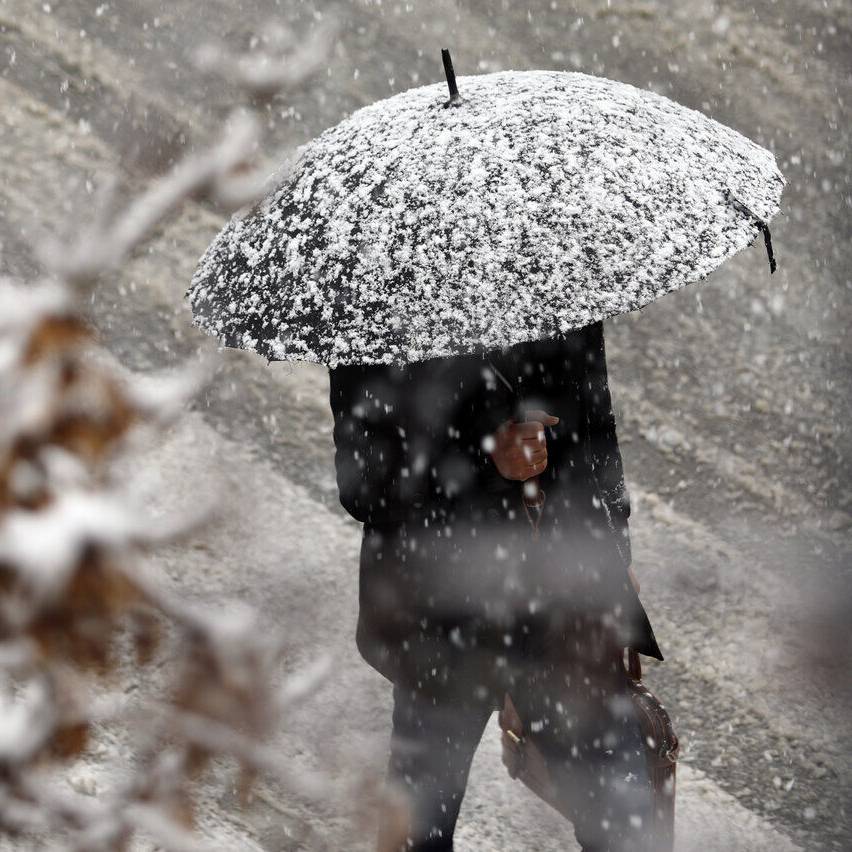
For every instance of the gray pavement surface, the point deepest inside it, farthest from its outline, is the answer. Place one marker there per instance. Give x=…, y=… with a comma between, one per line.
x=733, y=396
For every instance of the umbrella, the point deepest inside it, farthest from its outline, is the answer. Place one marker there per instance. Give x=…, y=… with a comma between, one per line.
x=528, y=204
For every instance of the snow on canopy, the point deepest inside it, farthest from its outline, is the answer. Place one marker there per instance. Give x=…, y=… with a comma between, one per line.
x=544, y=202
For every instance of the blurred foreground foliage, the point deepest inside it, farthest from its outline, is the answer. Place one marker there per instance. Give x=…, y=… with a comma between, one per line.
x=74, y=584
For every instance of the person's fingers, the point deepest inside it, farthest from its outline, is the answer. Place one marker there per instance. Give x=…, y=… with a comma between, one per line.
x=533, y=452
x=541, y=416
x=529, y=430
x=533, y=470
x=529, y=448
x=537, y=461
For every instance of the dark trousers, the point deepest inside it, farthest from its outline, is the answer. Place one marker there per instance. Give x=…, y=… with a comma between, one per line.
x=580, y=715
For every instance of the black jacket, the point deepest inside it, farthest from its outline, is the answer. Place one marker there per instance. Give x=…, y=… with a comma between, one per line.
x=448, y=561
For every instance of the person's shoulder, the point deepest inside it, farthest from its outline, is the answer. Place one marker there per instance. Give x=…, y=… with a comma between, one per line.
x=594, y=330
x=576, y=340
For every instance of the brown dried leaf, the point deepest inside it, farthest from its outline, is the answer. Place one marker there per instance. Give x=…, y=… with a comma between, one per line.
x=197, y=759
x=93, y=432
x=55, y=334
x=70, y=740
x=82, y=624
x=146, y=634
x=181, y=808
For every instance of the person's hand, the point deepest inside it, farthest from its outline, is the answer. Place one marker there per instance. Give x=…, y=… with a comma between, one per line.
x=520, y=449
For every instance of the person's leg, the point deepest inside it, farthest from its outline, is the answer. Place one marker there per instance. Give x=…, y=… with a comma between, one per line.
x=432, y=747
x=606, y=768
x=582, y=717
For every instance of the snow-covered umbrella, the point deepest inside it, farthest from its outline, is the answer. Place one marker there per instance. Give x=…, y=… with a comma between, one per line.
x=528, y=204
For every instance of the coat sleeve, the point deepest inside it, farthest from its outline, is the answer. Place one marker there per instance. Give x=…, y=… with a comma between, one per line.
x=603, y=442
x=493, y=409
x=378, y=477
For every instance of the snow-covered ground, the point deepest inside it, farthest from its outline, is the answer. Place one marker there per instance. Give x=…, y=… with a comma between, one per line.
x=733, y=397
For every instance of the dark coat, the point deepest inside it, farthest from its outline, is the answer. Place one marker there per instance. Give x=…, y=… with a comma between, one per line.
x=451, y=578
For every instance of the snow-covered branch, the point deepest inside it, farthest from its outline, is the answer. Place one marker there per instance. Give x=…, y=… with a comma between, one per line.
x=73, y=582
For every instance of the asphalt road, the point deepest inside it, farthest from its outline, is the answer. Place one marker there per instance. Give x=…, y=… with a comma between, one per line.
x=733, y=396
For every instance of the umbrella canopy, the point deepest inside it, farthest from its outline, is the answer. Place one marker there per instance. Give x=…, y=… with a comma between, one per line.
x=540, y=202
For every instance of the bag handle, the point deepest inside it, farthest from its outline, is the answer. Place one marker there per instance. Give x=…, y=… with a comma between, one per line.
x=634, y=667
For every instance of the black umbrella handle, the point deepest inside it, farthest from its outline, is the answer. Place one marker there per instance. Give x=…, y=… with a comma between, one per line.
x=455, y=98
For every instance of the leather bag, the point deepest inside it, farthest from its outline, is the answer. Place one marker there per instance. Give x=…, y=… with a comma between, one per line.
x=525, y=761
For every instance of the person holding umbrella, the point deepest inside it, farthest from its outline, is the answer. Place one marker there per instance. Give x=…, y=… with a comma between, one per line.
x=459, y=604
x=451, y=261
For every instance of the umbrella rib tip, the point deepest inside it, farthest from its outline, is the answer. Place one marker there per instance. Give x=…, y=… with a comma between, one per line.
x=762, y=225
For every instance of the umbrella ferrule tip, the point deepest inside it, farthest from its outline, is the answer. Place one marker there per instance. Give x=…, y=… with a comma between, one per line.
x=455, y=98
